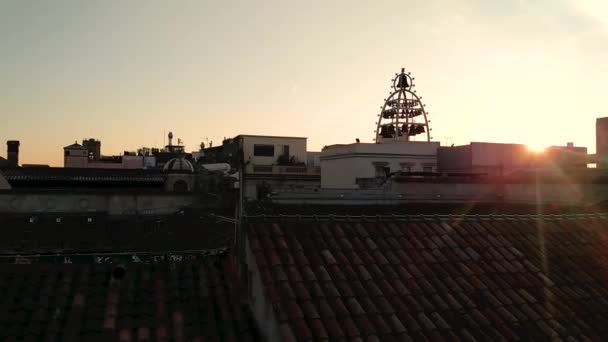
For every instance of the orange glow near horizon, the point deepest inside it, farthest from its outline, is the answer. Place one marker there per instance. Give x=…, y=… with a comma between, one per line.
x=128, y=74
x=536, y=148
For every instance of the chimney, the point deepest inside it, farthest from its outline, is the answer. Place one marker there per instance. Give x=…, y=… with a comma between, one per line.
x=12, y=153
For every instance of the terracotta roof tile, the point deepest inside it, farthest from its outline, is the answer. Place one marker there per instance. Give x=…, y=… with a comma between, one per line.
x=350, y=327
x=308, y=274
x=366, y=328
x=339, y=307
x=278, y=274
x=292, y=309
x=368, y=305
x=318, y=330
x=425, y=321
x=325, y=309
x=354, y=307
x=334, y=330
x=98, y=300
x=344, y=288
x=412, y=304
x=301, y=329
x=315, y=289
x=476, y=279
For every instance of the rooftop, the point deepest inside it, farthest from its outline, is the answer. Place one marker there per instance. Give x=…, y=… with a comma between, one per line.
x=267, y=136
x=40, y=233
x=182, y=299
x=75, y=146
x=399, y=278
x=81, y=176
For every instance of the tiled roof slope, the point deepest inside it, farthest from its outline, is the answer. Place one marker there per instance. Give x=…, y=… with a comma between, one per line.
x=465, y=207
x=194, y=300
x=86, y=233
x=466, y=279
x=75, y=176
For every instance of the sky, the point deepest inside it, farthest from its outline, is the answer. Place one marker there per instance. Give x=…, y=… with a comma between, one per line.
x=128, y=72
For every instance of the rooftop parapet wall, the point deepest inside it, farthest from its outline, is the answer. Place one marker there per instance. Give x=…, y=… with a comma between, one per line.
x=429, y=192
x=112, y=203
x=422, y=148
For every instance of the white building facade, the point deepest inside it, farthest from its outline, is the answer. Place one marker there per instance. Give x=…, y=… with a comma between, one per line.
x=342, y=165
x=260, y=152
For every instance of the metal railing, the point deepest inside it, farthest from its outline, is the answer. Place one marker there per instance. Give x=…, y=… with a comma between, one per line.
x=283, y=169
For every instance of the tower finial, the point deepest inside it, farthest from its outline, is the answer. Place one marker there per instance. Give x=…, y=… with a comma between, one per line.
x=403, y=115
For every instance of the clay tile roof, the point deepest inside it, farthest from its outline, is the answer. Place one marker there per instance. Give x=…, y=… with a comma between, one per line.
x=430, y=278
x=190, y=300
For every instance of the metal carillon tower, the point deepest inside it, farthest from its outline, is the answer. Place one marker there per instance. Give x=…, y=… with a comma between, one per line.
x=403, y=116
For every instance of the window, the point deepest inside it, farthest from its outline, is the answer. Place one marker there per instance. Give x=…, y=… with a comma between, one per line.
x=67, y=153
x=427, y=169
x=263, y=150
x=286, y=150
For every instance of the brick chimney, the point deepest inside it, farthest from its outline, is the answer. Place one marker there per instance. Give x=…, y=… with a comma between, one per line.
x=12, y=153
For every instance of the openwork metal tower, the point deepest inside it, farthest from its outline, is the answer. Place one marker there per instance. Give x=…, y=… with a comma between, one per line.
x=403, y=116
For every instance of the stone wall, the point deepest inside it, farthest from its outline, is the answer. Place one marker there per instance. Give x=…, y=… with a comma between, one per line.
x=111, y=203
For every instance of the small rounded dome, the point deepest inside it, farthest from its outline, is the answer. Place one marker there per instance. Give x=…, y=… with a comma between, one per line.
x=180, y=165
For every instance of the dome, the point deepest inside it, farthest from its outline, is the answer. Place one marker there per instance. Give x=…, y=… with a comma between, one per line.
x=179, y=165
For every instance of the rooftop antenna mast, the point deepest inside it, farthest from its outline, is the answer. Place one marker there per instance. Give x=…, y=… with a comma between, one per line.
x=403, y=115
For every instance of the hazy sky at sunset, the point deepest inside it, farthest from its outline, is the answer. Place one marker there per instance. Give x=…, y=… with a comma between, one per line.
x=127, y=72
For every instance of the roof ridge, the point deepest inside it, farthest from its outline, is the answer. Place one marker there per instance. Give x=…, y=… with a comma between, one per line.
x=113, y=257
x=424, y=217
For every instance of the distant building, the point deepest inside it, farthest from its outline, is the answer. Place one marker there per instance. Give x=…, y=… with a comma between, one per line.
x=275, y=163
x=268, y=163
x=178, y=173
x=601, y=142
x=228, y=152
x=485, y=158
x=345, y=166
x=495, y=159
x=3, y=163
x=402, y=119
x=93, y=147
x=261, y=152
x=35, y=165
x=144, y=158
x=566, y=157
x=170, y=152
x=12, y=155
x=75, y=156
x=313, y=159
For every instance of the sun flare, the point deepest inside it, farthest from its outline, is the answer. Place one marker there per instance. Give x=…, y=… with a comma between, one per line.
x=536, y=148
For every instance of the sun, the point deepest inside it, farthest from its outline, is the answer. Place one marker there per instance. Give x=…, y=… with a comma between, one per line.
x=536, y=148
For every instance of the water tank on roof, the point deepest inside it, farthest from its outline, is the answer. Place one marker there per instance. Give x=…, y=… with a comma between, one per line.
x=222, y=167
